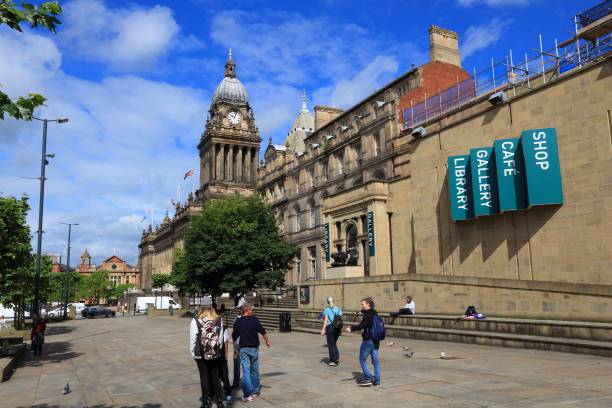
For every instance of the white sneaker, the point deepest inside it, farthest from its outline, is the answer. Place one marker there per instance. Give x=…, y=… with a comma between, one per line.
x=247, y=399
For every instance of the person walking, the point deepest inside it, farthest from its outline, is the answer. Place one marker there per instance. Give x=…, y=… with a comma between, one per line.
x=369, y=346
x=332, y=328
x=205, y=345
x=247, y=329
x=38, y=335
x=236, y=348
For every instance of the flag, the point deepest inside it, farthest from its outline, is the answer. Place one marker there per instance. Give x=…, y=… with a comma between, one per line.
x=173, y=202
x=143, y=219
x=188, y=174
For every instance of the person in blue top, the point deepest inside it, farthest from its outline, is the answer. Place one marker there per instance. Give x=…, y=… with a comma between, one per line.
x=330, y=332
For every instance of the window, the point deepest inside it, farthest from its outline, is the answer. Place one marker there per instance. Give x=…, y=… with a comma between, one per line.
x=297, y=183
x=313, y=216
x=377, y=143
x=127, y=279
x=312, y=260
x=325, y=170
x=113, y=279
x=310, y=178
x=340, y=160
x=298, y=223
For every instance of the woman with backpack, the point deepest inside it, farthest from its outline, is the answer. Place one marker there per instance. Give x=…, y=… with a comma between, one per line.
x=373, y=332
x=332, y=328
x=206, y=346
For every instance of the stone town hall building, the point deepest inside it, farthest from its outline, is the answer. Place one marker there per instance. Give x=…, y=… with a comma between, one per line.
x=366, y=193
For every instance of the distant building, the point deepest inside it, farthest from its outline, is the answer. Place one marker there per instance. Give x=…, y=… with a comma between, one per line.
x=119, y=271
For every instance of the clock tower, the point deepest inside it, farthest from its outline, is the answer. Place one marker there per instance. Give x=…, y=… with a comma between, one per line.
x=229, y=146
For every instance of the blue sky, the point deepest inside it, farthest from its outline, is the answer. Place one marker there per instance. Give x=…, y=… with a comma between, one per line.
x=135, y=79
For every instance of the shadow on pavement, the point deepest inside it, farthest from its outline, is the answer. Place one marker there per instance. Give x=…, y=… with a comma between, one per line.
x=52, y=330
x=55, y=352
x=147, y=405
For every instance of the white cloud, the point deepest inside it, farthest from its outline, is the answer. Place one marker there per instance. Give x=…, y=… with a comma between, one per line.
x=477, y=38
x=278, y=54
x=115, y=158
x=123, y=38
x=494, y=3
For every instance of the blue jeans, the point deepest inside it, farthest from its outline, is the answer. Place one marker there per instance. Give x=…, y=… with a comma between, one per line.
x=249, y=356
x=368, y=348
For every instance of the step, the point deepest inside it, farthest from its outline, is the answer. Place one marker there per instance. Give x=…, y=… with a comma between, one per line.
x=595, y=331
x=600, y=348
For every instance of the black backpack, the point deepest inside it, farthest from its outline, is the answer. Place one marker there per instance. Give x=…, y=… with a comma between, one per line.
x=337, y=323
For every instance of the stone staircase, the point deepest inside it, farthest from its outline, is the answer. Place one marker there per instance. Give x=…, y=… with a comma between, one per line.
x=556, y=335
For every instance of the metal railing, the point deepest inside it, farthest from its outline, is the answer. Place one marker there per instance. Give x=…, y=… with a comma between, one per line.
x=594, y=13
x=507, y=74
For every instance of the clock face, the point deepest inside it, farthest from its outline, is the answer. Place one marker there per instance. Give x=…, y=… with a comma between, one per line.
x=234, y=117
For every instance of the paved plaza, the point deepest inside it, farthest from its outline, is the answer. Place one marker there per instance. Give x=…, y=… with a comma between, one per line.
x=142, y=362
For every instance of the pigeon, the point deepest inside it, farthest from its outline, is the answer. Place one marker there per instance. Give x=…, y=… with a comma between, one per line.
x=66, y=389
x=391, y=343
x=409, y=355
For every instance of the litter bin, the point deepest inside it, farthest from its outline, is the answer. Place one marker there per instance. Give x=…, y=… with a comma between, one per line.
x=284, y=320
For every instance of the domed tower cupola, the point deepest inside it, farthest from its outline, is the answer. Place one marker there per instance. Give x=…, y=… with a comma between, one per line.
x=230, y=67
x=229, y=147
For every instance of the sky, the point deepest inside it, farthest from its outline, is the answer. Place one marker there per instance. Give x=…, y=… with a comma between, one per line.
x=135, y=79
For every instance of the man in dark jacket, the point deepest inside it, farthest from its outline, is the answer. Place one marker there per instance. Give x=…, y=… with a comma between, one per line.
x=369, y=347
x=247, y=329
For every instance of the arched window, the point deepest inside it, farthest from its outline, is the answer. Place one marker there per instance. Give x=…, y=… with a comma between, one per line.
x=378, y=174
x=313, y=215
x=298, y=222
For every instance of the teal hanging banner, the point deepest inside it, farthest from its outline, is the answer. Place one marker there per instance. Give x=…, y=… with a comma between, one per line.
x=327, y=254
x=484, y=181
x=460, y=188
x=510, y=174
x=542, y=166
x=371, y=233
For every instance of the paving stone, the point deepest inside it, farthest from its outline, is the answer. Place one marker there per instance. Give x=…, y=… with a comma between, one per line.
x=144, y=363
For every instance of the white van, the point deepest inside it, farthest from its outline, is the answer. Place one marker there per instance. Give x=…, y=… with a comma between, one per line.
x=159, y=302
x=9, y=313
x=78, y=306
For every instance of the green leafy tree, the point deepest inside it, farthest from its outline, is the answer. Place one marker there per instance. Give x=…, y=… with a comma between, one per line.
x=44, y=16
x=233, y=245
x=57, y=284
x=96, y=286
x=15, y=253
x=159, y=280
x=116, y=292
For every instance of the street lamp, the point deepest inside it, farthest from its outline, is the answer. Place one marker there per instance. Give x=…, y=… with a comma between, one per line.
x=69, y=224
x=43, y=163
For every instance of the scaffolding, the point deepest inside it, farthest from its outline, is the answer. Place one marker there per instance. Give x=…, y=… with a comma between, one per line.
x=538, y=65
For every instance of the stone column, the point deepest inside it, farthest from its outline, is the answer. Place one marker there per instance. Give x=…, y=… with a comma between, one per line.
x=239, y=164
x=255, y=159
x=248, y=165
x=213, y=161
x=230, y=163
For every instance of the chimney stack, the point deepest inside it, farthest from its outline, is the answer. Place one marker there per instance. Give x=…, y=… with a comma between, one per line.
x=444, y=46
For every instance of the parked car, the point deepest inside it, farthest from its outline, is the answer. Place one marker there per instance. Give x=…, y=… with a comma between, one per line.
x=97, y=311
x=59, y=311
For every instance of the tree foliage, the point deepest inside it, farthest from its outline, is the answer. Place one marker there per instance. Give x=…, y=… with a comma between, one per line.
x=46, y=16
x=96, y=286
x=159, y=280
x=233, y=246
x=57, y=284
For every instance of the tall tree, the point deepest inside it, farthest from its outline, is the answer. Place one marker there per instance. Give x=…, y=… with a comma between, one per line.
x=96, y=286
x=159, y=280
x=15, y=252
x=233, y=245
x=34, y=16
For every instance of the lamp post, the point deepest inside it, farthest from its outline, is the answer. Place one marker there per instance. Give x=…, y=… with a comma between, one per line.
x=43, y=164
x=69, y=224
